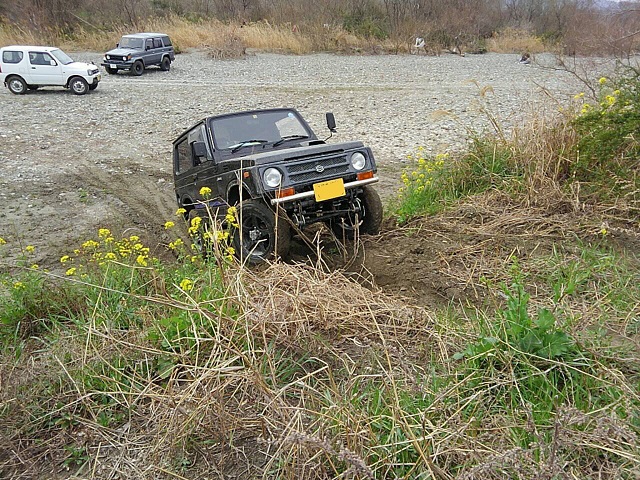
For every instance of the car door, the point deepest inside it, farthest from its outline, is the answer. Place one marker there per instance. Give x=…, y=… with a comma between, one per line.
x=195, y=168
x=152, y=54
x=43, y=69
x=207, y=167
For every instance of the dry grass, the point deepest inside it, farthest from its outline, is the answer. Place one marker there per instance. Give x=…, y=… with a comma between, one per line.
x=515, y=41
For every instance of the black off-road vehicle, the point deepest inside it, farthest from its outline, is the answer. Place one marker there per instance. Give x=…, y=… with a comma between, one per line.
x=268, y=161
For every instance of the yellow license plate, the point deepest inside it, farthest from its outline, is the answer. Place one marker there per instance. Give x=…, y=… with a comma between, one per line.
x=329, y=189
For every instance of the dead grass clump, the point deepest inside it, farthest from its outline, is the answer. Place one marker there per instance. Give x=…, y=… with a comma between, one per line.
x=264, y=36
x=513, y=40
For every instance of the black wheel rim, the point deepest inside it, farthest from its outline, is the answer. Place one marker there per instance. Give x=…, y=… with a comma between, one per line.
x=256, y=236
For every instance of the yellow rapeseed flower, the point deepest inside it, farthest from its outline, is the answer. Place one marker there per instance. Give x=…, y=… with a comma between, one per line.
x=110, y=256
x=71, y=271
x=89, y=244
x=2, y=241
x=35, y=266
x=134, y=238
x=205, y=191
x=176, y=243
x=168, y=225
x=141, y=260
x=602, y=80
x=180, y=211
x=19, y=285
x=30, y=248
x=186, y=285
x=104, y=233
x=65, y=259
x=579, y=95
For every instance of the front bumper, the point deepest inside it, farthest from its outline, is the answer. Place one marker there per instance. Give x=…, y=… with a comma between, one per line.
x=309, y=194
x=117, y=66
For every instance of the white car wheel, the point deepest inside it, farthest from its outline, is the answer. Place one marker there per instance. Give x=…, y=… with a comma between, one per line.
x=79, y=86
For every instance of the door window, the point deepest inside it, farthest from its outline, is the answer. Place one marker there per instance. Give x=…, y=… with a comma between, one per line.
x=10, y=56
x=183, y=156
x=39, y=58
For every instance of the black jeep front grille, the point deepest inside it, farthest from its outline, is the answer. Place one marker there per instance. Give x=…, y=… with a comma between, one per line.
x=317, y=169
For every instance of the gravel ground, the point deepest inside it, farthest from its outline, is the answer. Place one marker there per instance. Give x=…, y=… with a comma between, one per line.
x=72, y=164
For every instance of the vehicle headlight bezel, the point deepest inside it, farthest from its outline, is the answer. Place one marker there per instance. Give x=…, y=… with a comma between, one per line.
x=358, y=161
x=272, y=177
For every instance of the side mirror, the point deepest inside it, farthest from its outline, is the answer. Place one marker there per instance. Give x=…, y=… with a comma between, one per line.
x=331, y=122
x=52, y=63
x=117, y=45
x=199, y=149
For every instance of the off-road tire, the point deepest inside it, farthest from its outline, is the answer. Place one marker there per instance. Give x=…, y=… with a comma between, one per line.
x=78, y=86
x=369, y=220
x=16, y=85
x=165, y=65
x=138, y=68
x=260, y=237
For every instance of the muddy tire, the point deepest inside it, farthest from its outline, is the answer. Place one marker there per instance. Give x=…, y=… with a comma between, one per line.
x=138, y=68
x=166, y=64
x=17, y=85
x=368, y=221
x=259, y=237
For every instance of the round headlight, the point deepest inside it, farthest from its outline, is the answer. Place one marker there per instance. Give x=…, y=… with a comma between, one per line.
x=358, y=161
x=272, y=177
x=108, y=57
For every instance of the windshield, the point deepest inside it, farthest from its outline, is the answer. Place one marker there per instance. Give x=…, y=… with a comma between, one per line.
x=131, y=42
x=253, y=128
x=62, y=57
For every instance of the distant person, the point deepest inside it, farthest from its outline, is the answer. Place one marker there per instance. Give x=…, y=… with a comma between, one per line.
x=525, y=59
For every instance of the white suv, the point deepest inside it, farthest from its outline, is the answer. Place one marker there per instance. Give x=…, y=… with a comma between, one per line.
x=25, y=68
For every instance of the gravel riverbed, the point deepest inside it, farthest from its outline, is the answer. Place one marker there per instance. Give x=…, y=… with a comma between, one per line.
x=72, y=164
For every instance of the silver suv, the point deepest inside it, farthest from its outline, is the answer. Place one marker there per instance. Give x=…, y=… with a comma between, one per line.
x=138, y=51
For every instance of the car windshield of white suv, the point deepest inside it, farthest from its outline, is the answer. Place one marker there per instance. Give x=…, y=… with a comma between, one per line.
x=62, y=57
x=130, y=42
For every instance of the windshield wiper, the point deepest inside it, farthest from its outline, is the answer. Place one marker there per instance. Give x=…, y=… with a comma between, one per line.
x=245, y=143
x=289, y=137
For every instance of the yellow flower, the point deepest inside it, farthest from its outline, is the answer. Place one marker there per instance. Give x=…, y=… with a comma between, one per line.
x=110, y=256
x=579, y=95
x=205, y=192
x=18, y=285
x=176, y=243
x=89, y=244
x=65, y=259
x=134, y=238
x=616, y=92
x=104, y=233
x=585, y=108
x=71, y=271
x=610, y=100
x=168, y=225
x=2, y=241
x=603, y=231
x=141, y=260
x=180, y=211
x=186, y=285
x=35, y=266
x=30, y=248
x=602, y=80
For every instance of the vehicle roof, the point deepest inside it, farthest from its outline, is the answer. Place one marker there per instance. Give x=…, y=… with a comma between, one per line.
x=245, y=112
x=146, y=35
x=30, y=47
